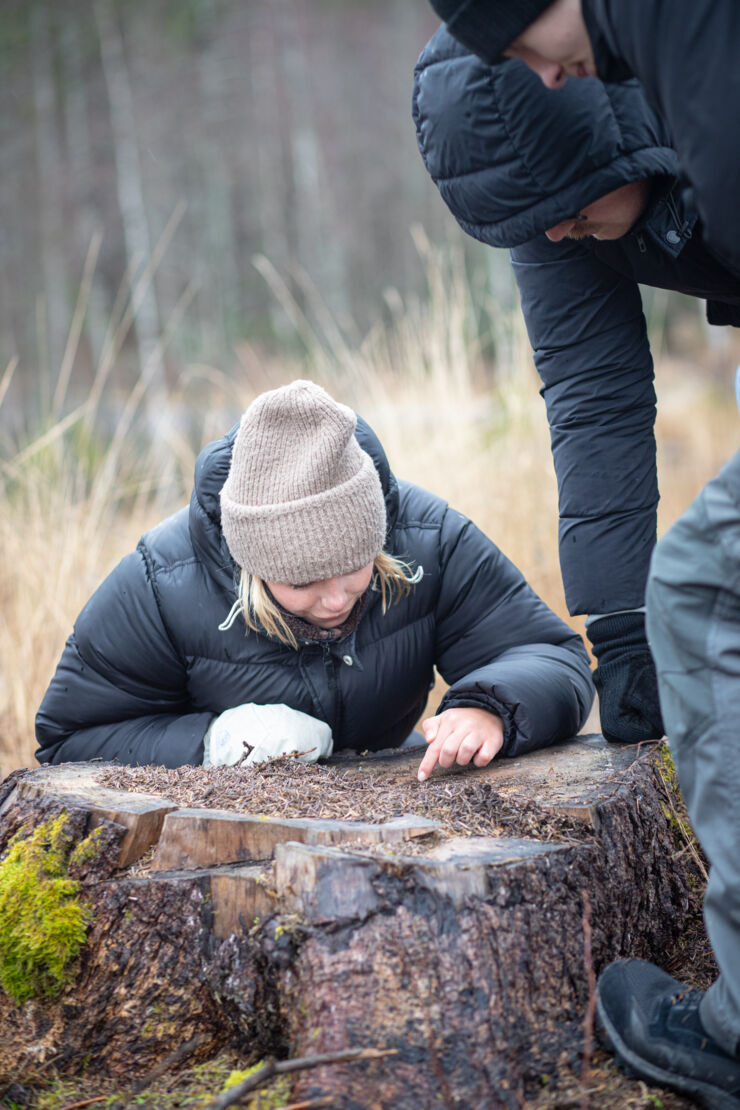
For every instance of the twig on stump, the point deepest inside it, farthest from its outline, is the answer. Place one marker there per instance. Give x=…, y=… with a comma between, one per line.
x=301, y=1063
x=310, y=1104
x=588, y=1020
x=85, y=1102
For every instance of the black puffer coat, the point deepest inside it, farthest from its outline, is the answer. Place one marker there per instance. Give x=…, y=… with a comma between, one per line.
x=512, y=158
x=685, y=54
x=146, y=667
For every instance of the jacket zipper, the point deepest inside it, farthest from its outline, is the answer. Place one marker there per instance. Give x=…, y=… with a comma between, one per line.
x=682, y=226
x=329, y=667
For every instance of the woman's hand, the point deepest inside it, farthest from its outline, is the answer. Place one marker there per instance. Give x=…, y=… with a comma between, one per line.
x=461, y=735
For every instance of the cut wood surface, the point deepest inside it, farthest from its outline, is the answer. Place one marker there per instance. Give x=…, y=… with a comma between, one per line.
x=301, y=935
x=141, y=815
x=203, y=837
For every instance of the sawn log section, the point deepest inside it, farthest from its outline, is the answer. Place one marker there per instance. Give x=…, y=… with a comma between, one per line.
x=300, y=936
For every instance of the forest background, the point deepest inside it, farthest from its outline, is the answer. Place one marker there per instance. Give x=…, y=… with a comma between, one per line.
x=202, y=199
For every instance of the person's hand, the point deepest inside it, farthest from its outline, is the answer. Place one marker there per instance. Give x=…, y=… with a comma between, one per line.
x=249, y=734
x=625, y=679
x=459, y=735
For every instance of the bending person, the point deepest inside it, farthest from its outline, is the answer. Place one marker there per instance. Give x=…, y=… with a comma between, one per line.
x=304, y=576
x=582, y=185
x=683, y=53
x=685, y=57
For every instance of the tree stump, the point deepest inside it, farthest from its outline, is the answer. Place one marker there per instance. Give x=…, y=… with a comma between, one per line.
x=451, y=932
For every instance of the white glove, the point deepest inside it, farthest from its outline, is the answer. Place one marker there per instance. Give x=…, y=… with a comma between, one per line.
x=249, y=734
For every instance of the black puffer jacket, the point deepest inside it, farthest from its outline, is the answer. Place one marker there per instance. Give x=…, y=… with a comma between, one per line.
x=146, y=667
x=512, y=158
x=685, y=54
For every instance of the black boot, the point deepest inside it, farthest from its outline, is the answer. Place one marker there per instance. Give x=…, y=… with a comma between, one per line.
x=651, y=1022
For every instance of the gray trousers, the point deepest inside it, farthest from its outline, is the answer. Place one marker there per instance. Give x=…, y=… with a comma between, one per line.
x=693, y=625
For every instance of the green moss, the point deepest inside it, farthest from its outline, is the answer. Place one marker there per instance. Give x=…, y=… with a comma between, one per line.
x=676, y=815
x=87, y=849
x=288, y=927
x=668, y=767
x=193, y=1089
x=237, y=1077
x=269, y=1097
x=44, y=922
x=673, y=807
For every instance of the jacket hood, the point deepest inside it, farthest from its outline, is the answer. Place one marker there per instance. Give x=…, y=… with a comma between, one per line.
x=512, y=158
x=211, y=471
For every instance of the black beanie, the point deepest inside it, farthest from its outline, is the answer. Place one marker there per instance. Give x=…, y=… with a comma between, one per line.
x=487, y=27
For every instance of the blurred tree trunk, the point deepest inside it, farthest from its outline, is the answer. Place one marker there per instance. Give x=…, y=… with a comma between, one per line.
x=11, y=230
x=146, y=323
x=53, y=315
x=86, y=220
x=405, y=42
x=215, y=263
x=269, y=153
x=129, y=184
x=317, y=247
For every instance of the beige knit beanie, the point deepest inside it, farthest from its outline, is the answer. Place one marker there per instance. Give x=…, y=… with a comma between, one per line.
x=302, y=501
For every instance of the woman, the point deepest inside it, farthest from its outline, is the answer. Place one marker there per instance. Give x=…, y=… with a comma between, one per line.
x=304, y=575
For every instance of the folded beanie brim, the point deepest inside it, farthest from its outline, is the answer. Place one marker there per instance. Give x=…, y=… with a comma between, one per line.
x=334, y=532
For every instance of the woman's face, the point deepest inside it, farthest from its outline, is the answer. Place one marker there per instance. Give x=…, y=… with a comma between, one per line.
x=327, y=603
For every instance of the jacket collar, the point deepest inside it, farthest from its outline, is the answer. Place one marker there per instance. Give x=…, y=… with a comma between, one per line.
x=305, y=632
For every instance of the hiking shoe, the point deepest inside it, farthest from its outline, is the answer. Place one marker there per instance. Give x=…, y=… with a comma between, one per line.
x=651, y=1023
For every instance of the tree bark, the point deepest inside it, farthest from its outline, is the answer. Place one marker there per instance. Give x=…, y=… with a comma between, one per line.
x=474, y=970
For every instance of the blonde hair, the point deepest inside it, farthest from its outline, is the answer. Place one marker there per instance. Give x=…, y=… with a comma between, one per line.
x=392, y=577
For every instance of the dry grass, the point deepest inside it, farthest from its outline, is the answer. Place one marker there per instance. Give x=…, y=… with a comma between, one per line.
x=77, y=494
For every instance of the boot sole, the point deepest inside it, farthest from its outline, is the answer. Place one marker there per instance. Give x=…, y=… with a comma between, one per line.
x=713, y=1098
